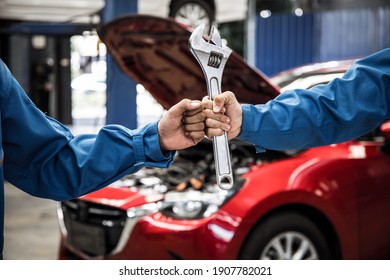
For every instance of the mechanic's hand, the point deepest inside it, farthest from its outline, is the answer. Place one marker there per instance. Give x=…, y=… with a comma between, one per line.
x=224, y=113
x=182, y=126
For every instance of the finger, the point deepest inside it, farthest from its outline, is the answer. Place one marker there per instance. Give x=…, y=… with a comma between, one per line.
x=207, y=103
x=196, y=136
x=206, y=98
x=211, y=123
x=194, y=127
x=198, y=117
x=197, y=111
x=209, y=114
x=211, y=132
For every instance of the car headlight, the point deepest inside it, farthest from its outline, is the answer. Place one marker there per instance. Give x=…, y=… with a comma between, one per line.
x=190, y=209
x=192, y=204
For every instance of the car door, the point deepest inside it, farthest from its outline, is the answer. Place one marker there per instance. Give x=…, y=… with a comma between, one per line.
x=374, y=207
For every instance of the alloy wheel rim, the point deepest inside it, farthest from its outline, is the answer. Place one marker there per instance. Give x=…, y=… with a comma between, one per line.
x=192, y=15
x=290, y=245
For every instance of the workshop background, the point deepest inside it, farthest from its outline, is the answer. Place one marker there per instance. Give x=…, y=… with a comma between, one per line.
x=53, y=49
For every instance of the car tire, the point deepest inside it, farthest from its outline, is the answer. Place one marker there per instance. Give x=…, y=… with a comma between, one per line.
x=193, y=12
x=285, y=236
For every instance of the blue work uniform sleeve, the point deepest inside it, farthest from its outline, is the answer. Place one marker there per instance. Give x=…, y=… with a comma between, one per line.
x=44, y=159
x=342, y=110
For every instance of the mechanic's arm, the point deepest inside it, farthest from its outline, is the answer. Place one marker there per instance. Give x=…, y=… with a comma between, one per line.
x=44, y=159
x=342, y=110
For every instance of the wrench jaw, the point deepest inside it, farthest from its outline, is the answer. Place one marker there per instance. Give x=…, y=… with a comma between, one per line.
x=215, y=37
x=212, y=58
x=211, y=53
x=196, y=41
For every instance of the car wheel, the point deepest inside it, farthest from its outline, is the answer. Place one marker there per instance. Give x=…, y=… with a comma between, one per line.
x=192, y=12
x=286, y=236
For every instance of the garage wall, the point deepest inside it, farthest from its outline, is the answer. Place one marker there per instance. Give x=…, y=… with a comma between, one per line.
x=284, y=41
x=345, y=34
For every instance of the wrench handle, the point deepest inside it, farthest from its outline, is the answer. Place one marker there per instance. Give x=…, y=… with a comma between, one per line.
x=223, y=167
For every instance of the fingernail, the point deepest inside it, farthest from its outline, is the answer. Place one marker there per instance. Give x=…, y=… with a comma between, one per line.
x=195, y=103
x=227, y=120
x=227, y=127
x=216, y=109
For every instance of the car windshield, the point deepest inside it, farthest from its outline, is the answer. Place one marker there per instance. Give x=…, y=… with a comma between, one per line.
x=304, y=81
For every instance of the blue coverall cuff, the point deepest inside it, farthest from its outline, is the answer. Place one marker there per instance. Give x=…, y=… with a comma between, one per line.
x=247, y=127
x=154, y=155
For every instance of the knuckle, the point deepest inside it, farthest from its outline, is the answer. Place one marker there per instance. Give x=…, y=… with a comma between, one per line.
x=209, y=122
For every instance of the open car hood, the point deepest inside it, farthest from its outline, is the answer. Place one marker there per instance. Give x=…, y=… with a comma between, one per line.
x=154, y=52
x=122, y=197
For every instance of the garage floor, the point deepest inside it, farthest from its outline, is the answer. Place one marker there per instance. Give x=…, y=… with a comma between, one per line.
x=31, y=228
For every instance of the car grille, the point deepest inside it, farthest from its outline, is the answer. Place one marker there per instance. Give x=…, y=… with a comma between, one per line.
x=93, y=229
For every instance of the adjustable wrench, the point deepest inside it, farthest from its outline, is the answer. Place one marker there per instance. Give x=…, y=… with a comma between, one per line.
x=212, y=57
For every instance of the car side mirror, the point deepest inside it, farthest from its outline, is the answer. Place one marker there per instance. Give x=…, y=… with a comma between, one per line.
x=385, y=130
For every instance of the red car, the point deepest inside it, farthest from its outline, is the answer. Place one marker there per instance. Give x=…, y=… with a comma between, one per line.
x=329, y=202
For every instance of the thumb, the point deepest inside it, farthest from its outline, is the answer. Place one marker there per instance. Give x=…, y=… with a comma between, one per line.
x=220, y=101
x=185, y=105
